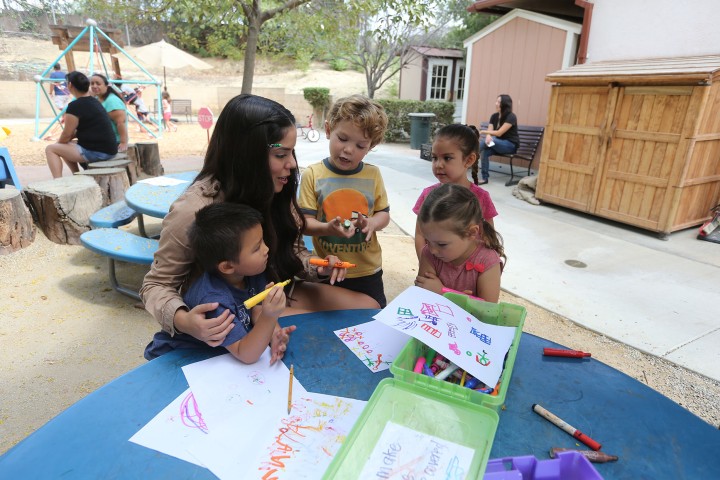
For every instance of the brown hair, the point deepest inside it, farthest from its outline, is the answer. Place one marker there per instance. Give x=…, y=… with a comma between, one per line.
x=460, y=206
x=363, y=112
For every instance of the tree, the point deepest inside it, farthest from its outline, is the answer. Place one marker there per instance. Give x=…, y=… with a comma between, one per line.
x=374, y=35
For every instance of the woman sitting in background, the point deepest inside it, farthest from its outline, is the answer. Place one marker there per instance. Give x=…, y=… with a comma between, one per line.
x=86, y=120
x=114, y=105
x=501, y=136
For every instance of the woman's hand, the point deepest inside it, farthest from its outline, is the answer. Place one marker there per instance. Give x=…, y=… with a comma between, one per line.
x=210, y=330
x=122, y=147
x=336, y=274
x=488, y=139
x=279, y=341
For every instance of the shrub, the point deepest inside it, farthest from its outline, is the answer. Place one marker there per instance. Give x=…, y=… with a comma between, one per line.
x=338, y=64
x=319, y=98
x=399, y=121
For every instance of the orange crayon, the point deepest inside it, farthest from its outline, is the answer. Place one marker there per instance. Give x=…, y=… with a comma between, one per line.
x=324, y=263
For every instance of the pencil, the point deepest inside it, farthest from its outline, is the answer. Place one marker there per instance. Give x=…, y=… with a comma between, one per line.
x=252, y=301
x=290, y=389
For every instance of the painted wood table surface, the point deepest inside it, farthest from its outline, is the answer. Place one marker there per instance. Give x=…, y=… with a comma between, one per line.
x=154, y=199
x=654, y=437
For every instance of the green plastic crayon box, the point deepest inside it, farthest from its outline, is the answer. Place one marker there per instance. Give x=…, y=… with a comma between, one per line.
x=502, y=314
x=429, y=412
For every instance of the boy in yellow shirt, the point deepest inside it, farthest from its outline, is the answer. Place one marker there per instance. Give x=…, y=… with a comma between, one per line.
x=344, y=199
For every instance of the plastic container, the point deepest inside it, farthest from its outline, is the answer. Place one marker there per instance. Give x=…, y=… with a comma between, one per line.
x=502, y=314
x=567, y=466
x=419, y=409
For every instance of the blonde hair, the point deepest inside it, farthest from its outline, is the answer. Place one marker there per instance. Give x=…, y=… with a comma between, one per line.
x=363, y=112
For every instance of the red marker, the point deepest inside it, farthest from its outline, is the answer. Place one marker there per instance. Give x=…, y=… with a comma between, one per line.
x=564, y=426
x=557, y=352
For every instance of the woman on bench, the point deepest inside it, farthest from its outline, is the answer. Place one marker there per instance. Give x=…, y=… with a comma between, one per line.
x=501, y=136
x=87, y=120
x=114, y=105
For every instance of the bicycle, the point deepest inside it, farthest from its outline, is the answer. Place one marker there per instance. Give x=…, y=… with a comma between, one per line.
x=311, y=134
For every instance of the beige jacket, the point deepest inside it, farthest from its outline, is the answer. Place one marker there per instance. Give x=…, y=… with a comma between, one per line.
x=172, y=269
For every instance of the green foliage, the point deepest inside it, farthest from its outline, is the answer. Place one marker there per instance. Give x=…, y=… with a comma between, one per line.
x=28, y=25
x=318, y=97
x=338, y=64
x=303, y=58
x=399, y=121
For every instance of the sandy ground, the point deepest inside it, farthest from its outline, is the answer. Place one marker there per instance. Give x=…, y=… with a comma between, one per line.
x=64, y=332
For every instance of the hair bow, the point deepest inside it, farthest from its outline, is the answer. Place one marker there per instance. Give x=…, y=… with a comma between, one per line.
x=478, y=267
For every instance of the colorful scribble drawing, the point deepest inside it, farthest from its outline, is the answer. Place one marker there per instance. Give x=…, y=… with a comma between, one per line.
x=482, y=360
x=311, y=430
x=191, y=415
x=348, y=335
x=436, y=310
x=256, y=378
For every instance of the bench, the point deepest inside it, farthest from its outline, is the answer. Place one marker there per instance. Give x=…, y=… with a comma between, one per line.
x=530, y=138
x=118, y=162
x=182, y=107
x=116, y=215
x=119, y=245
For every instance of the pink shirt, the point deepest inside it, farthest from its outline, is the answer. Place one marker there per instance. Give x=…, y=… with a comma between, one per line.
x=464, y=277
x=488, y=208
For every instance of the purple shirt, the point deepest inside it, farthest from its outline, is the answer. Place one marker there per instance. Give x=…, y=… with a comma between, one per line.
x=488, y=208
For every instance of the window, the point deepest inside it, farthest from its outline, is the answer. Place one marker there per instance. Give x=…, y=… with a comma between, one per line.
x=460, y=81
x=438, y=79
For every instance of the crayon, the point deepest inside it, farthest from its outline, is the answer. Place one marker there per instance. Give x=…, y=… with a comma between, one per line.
x=430, y=356
x=419, y=365
x=558, y=422
x=446, y=373
x=324, y=263
x=427, y=371
x=252, y=301
x=462, y=380
x=593, y=456
x=557, y=352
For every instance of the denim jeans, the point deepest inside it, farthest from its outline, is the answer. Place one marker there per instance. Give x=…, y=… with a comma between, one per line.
x=501, y=147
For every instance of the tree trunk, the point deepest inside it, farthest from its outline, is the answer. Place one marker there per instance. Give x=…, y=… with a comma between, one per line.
x=17, y=229
x=113, y=183
x=134, y=167
x=250, y=50
x=149, y=158
x=63, y=206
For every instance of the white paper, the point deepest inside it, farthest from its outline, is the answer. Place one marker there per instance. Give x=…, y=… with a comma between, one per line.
x=224, y=388
x=296, y=446
x=437, y=322
x=175, y=429
x=163, y=181
x=402, y=453
x=375, y=343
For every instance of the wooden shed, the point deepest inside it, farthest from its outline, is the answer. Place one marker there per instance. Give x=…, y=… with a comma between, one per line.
x=635, y=141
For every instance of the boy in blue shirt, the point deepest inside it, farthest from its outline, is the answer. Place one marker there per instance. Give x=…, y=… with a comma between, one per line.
x=227, y=240
x=344, y=200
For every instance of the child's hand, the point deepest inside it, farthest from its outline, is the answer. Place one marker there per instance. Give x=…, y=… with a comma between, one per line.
x=274, y=303
x=336, y=274
x=429, y=281
x=279, y=341
x=366, y=226
x=336, y=227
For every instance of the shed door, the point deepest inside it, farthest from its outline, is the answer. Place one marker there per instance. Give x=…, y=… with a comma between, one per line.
x=643, y=153
x=574, y=145
x=439, y=86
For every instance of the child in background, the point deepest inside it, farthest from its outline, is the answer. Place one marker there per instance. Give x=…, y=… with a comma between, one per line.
x=344, y=200
x=167, y=112
x=463, y=251
x=227, y=239
x=455, y=149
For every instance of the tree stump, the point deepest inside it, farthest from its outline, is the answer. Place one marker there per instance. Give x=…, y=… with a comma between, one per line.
x=113, y=183
x=134, y=167
x=62, y=207
x=149, y=158
x=125, y=163
x=17, y=229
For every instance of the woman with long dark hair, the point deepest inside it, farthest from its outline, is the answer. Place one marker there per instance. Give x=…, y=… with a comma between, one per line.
x=250, y=160
x=114, y=105
x=501, y=135
x=86, y=120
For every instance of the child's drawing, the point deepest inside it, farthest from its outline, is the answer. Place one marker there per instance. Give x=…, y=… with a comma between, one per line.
x=472, y=345
x=374, y=343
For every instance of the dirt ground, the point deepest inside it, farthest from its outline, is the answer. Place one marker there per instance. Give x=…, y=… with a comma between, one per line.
x=64, y=332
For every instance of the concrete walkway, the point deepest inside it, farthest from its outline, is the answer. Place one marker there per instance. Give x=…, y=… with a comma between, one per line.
x=661, y=297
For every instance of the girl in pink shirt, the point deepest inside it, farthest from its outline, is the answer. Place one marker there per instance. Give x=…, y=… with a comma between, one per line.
x=463, y=251
x=455, y=150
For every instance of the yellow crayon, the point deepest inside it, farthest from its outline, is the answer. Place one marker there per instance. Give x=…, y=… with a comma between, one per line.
x=324, y=263
x=252, y=301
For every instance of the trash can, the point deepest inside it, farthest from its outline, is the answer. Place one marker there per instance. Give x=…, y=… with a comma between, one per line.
x=419, y=129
